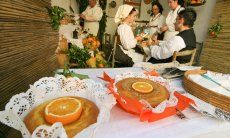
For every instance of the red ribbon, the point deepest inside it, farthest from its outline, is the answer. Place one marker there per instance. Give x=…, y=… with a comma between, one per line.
x=135, y=107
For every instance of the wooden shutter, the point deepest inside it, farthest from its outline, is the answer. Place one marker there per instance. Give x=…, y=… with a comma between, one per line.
x=27, y=46
x=216, y=52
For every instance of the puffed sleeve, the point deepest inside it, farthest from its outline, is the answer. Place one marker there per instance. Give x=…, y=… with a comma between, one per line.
x=167, y=48
x=96, y=14
x=126, y=37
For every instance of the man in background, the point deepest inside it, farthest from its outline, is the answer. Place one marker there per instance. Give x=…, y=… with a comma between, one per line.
x=162, y=51
x=92, y=15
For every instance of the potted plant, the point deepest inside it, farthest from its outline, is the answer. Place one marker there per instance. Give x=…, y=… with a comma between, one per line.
x=215, y=29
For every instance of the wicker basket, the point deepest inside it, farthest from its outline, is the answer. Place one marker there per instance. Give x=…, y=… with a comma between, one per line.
x=211, y=97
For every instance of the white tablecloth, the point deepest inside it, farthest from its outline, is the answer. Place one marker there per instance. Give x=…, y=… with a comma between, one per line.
x=126, y=125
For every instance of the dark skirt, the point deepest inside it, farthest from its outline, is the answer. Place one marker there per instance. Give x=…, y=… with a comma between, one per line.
x=122, y=58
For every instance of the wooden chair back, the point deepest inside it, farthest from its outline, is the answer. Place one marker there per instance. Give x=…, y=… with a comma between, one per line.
x=114, y=50
x=185, y=53
x=107, y=38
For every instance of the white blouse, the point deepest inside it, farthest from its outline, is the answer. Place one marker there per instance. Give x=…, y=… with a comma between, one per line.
x=127, y=38
x=167, y=48
x=128, y=42
x=93, y=14
x=156, y=22
x=92, y=18
x=170, y=20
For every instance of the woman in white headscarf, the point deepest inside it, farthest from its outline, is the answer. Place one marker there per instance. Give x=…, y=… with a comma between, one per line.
x=169, y=28
x=126, y=51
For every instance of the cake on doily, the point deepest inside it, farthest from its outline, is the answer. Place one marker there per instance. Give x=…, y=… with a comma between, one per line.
x=88, y=116
x=154, y=94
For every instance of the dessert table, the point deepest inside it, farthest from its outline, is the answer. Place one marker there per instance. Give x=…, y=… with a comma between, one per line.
x=123, y=124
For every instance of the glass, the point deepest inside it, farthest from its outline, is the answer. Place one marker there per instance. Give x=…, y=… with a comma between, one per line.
x=138, y=30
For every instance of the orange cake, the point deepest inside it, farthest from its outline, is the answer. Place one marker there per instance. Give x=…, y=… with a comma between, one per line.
x=139, y=88
x=73, y=123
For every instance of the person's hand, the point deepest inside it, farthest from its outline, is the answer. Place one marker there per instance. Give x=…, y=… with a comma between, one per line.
x=164, y=28
x=154, y=41
x=82, y=16
x=138, y=38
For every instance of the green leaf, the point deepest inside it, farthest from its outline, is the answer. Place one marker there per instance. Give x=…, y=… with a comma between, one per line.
x=56, y=14
x=80, y=76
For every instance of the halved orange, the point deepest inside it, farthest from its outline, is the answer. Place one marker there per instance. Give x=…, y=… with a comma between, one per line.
x=142, y=87
x=65, y=110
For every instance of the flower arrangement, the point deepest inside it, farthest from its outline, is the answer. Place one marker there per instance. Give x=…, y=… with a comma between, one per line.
x=91, y=42
x=215, y=29
x=78, y=56
x=98, y=61
x=81, y=58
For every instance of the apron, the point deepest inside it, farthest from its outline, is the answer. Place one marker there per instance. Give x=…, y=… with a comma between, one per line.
x=91, y=26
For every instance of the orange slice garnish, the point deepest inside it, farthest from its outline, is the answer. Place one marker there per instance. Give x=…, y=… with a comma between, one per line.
x=65, y=110
x=142, y=87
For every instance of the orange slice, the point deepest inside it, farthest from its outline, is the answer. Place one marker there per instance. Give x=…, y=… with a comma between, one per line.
x=142, y=87
x=65, y=110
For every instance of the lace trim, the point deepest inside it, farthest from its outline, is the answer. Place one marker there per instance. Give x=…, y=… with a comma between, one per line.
x=48, y=88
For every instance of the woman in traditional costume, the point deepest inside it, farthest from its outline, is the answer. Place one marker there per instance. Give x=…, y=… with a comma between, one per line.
x=157, y=20
x=169, y=28
x=127, y=51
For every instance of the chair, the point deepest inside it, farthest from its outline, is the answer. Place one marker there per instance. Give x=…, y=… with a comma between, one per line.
x=116, y=51
x=199, y=48
x=106, y=46
x=185, y=53
x=107, y=39
x=113, y=51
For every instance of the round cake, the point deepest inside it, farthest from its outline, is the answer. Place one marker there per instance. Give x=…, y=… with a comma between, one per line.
x=156, y=94
x=88, y=116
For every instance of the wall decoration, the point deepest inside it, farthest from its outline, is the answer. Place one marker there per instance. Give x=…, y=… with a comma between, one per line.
x=112, y=4
x=195, y=2
x=135, y=3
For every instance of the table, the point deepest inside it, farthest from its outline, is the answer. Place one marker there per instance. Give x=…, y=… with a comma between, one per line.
x=126, y=125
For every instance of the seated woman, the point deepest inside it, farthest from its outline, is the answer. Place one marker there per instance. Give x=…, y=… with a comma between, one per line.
x=127, y=52
x=157, y=20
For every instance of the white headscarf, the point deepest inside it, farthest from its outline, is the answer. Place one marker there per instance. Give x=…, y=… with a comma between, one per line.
x=122, y=12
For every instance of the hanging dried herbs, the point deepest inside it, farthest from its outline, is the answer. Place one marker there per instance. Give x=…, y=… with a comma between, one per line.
x=56, y=14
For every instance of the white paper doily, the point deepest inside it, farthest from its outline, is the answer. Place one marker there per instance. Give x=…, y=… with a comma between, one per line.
x=48, y=88
x=172, y=101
